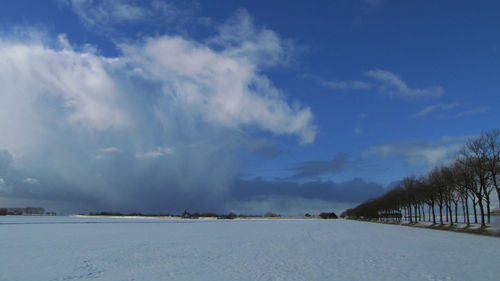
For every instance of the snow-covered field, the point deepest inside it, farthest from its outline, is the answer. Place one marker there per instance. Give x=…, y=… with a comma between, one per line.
x=75, y=248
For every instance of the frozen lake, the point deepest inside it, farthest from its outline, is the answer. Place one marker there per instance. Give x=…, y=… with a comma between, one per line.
x=72, y=248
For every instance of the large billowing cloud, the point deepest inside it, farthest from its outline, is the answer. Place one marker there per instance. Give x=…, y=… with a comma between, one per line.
x=156, y=128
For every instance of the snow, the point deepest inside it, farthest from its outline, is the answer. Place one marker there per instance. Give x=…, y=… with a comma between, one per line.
x=80, y=248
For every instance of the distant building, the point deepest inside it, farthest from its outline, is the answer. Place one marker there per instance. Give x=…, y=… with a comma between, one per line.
x=32, y=211
x=15, y=211
x=29, y=211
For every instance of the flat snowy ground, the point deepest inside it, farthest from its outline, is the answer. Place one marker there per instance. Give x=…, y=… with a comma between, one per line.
x=74, y=248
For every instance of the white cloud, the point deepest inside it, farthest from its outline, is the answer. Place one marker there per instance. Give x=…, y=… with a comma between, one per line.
x=474, y=111
x=426, y=110
x=389, y=83
x=432, y=108
x=31, y=181
x=241, y=38
x=185, y=103
x=386, y=82
x=110, y=149
x=96, y=12
x=347, y=84
x=38, y=82
x=224, y=89
x=161, y=151
x=106, y=13
x=85, y=90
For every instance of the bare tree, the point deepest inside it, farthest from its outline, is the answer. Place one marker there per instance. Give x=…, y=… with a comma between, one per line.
x=448, y=182
x=476, y=151
x=429, y=197
x=492, y=143
x=409, y=184
x=465, y=182
x=478, y=173
x=437, y=182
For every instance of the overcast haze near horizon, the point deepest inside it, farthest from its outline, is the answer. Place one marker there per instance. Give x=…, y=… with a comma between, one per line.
x=244, y=106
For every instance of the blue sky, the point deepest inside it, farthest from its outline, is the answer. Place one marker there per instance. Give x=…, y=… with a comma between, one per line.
x=245, y=106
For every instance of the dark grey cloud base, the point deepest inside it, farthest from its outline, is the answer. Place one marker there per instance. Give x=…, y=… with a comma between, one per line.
x=152, y=190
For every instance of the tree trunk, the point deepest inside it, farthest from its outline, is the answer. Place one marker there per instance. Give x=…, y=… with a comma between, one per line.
x=409, y=214
x=498, y=195
x=495, y=184
x=446, y=211
x=488, y=207
x=474, y=203
x=482, y=212
x=451, y=214
x=467, y=209
x=423, y=212
x=441, y=213
x=417, y=211
x=463, y=209
x=456, y=212
x=486, y=197
x=433, y=215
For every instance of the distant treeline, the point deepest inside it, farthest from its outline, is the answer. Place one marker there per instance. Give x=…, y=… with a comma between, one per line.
x=116, y=214
x=185, y=214
x=447, y=190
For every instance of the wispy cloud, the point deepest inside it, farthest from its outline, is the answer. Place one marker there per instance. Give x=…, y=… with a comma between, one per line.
x=241, y=37
x=474, y=111
x=391, y=84
x=386, y=82
x=110, y=149
x=347, y=84
x=103, y=13
x=32, y=181
x=462, y=139
x=414, y=152
x=161, y=151
x=339, y=84
x=432, y=108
